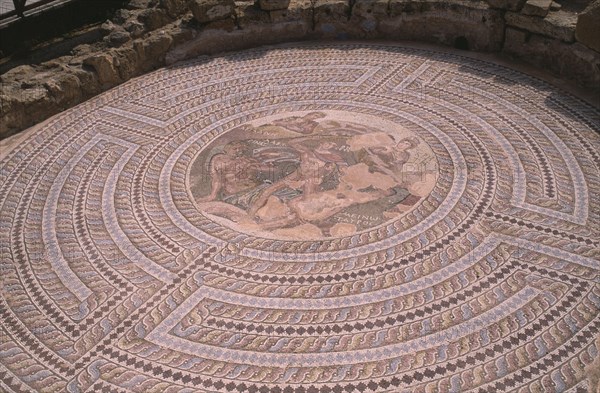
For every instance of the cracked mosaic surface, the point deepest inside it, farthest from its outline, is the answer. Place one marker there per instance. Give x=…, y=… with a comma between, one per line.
x=312, y=175
x=311, y=218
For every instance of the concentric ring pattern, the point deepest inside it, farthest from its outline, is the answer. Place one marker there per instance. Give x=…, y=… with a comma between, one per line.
x=446, y=240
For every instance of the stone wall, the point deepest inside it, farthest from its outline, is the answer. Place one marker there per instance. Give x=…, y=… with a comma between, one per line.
x=152, y=33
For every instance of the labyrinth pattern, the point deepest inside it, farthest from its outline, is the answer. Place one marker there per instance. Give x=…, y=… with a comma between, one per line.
x=115, y=278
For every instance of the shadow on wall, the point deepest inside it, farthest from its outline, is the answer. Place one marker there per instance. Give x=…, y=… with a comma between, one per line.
x=20, y=36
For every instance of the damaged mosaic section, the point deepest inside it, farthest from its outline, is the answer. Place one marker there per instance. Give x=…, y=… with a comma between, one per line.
x=311, y=175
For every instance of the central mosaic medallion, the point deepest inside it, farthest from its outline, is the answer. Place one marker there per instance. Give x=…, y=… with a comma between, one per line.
x=310, y=175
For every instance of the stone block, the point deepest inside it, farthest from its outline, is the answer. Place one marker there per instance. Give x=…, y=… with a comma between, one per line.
x=153, y=18
x=211, y=10
x=370, y=8
x=103, y=65
x=64, y=88
x=18, y=73
x=108, y=27
x=366, y=17
x=588, y=26
x=511, y=5
x=515, y=38
x=117, y=38
x=126, y=62
x=134, y=27
x=537, y=7
x=463, y=24
x=249, y=13
x=141, y=4
x=331, y=18
x=213, y=40
x=151, y=51
x=571, y=60
x=399, y=7
x=273, y=5
x=114, y=34
x=182, y=33
x=22, y=107
x=88, y=80
x=298, y=10
x=331, y=10
x=559, y=25
x=120, y=16
x=174, y=8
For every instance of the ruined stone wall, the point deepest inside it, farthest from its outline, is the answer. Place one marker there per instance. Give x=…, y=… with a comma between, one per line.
x=153, y=33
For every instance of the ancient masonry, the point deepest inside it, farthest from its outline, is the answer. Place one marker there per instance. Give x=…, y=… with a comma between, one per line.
x=149, y=34
x=138, y=254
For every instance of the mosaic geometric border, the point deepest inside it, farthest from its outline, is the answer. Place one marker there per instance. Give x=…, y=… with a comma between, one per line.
x=114, y=281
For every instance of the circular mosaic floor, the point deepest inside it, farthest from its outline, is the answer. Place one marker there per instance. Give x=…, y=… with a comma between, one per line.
x=312, y=218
